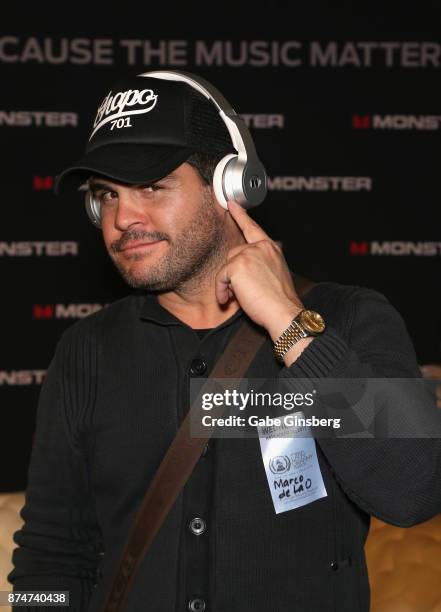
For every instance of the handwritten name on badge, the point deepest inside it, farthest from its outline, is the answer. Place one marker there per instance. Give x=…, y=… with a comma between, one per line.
x=291, y=466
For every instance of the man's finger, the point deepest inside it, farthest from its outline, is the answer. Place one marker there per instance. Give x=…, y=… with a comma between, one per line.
x=250, y=229
x=222, y=285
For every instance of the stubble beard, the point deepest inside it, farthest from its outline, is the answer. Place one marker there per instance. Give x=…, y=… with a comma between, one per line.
x=191, y=259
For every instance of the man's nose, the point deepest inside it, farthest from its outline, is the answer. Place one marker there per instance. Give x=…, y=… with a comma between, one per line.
x=130, y=211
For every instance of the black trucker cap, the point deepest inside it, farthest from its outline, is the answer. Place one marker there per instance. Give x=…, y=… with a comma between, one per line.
x=144, y=129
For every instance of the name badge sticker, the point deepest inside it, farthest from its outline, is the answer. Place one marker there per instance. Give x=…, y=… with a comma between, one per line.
x=291, y=466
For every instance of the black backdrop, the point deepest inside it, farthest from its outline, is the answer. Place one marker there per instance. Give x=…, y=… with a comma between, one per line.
x=345, y=110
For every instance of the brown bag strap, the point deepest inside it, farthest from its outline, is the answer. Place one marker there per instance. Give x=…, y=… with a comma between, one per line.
x=176, y=467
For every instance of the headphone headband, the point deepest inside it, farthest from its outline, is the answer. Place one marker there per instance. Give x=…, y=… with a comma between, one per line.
x=239, y=133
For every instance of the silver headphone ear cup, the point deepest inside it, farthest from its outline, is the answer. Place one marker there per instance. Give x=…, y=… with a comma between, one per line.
x=218, y=180
x=253, y=183
x=245, y=182
x=233, y=180
x=93, y=209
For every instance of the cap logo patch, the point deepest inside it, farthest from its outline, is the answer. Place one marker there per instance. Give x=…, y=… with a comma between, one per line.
x=113, y=107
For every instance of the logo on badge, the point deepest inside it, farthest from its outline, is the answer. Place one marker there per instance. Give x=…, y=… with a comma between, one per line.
x=279, y=464
x=300, y=459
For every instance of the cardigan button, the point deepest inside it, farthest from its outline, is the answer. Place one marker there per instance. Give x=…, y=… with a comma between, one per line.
x=198, y=367
x=334, y=566
x=197, y=526
x=196, y=605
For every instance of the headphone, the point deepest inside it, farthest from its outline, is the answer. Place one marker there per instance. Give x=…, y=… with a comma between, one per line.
x=240, y=177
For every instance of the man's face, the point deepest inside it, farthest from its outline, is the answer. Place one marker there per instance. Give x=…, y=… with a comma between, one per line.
x=162, y=235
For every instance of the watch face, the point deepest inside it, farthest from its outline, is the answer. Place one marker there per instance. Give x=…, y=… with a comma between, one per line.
x=312, y=322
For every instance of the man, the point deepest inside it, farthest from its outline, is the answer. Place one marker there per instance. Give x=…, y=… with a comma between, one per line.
x=117, y=391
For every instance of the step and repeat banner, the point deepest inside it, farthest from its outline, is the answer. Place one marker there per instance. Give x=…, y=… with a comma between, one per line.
x=347, y=122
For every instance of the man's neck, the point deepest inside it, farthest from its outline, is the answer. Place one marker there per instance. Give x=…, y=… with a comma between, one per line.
x=199, y=310
x=195, y=302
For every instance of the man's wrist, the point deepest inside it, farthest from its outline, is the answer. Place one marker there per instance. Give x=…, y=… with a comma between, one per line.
x=282, y=319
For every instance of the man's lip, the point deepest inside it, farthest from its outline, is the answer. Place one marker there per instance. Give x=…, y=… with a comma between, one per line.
x=135, y=245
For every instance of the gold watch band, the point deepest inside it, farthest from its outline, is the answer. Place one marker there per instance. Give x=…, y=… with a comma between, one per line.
x=292, y=334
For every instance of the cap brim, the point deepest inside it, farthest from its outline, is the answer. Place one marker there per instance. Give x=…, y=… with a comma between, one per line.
x=124, y=163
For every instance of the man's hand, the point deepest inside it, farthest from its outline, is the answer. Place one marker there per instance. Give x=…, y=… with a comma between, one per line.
x=257, y=274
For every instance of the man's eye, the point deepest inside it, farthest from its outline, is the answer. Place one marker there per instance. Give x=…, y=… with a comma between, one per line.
x=152, y=188
x=108, y=195
x=105, y=196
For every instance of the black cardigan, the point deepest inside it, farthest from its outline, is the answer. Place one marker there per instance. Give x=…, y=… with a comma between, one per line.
x=113, y=399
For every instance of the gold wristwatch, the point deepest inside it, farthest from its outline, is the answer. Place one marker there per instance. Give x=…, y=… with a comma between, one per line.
x=306, y=323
